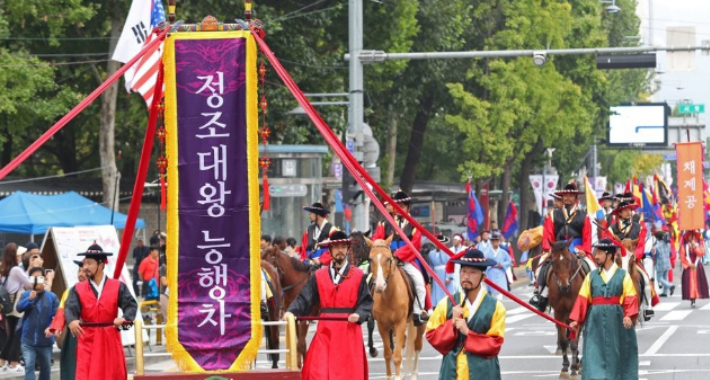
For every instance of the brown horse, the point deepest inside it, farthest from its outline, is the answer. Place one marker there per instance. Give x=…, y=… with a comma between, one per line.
x=564, y=280
x=629, y=264
x=392, y=309
x=273, y=313
x=293, y=275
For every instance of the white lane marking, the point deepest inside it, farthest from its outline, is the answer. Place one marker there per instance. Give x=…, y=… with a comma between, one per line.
x=661, y=341
x=552, y=349
x=706, y=307
x=535, y=333
x=519, y=310
x=666, y=306
x=645, y=363
x=676, y=315
x=517, y=318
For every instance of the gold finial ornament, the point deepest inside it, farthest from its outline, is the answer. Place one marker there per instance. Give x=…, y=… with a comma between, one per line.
x=247, y=10
x=171, y=11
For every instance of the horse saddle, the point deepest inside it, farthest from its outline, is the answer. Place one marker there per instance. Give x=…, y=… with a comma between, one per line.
x=410, y=290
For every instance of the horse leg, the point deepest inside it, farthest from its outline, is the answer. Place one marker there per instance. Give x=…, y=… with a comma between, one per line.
x=386, y=339
x=274, y=345
x=574, y=345
x=399, y=339
x=370, y=341
x=302, y=333
x=562, y=337
x=418, y=342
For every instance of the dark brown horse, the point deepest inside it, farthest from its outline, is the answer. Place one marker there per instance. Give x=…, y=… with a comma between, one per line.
x=564, y=280
x=273, y=312
x=631, y=266
x=293, y=275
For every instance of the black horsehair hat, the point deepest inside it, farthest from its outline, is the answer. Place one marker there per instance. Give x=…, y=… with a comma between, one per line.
x=475, y=258
x=337, y=237
x=79, y=263
x=442, y=238
x=606, y=196
x=570, y=188
x=402, y=197
x=96, y=252
x=623, y=205
x=606, y=245
x=318, y=209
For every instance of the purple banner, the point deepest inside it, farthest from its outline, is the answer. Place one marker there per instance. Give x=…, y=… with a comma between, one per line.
x=214, y=307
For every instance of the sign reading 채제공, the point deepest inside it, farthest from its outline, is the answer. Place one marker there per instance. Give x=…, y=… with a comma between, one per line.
x=213, y=223
x=690, y=186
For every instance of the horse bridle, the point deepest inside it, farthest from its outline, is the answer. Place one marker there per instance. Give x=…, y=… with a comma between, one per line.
x=557, y=279
x=390, y=260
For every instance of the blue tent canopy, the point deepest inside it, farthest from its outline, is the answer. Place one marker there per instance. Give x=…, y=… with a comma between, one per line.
x=34, y=214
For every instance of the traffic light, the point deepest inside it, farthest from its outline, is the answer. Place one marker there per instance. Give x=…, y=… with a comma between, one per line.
x=351, y=189
x=627, y=61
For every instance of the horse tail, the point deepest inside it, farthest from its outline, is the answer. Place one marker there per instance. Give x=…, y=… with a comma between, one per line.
x=409, y=349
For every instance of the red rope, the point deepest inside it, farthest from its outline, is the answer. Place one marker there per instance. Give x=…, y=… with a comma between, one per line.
x=361, y=176
x=352, y=166
x=79, y=107
x=141, y=175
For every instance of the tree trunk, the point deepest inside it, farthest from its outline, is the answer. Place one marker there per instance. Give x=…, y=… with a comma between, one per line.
x=416, y=141
x=391, y=152
x=108, y=123
x=504, y=199
x=524, y=182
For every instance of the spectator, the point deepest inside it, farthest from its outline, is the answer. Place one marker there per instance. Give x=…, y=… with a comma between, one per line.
x=291, y=246
x=149, y=271
x=15, y=281
x=31, y=250
x=139, y=253
x=39, y=307
x=154, y=240
x=265, y=242
x=164, y=292
x=280, y=242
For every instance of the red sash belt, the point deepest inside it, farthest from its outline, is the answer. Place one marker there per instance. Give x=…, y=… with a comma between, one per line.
x=615, y=300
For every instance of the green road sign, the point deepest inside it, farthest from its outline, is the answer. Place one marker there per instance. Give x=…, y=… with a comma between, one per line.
x=691, y=108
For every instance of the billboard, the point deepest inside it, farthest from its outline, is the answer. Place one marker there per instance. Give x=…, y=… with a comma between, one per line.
x=645, y=124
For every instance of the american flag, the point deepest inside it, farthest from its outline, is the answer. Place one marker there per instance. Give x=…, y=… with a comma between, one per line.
x=146, y=70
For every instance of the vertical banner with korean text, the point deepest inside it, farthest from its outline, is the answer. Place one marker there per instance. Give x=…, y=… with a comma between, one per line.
x=213, y=200
x=690, y=185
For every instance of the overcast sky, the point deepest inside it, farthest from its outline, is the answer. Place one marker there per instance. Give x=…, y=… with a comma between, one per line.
x=656, y=16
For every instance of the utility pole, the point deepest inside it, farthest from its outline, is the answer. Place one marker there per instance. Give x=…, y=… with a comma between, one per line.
x=356, y=113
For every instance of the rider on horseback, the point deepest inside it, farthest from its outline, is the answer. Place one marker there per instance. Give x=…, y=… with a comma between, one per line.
x=625, y=228
x=568, y=222
x=312, y=252
x=410, y=262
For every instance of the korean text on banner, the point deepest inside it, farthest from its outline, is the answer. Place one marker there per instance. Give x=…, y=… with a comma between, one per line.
x=690, y=185
x=213, y=212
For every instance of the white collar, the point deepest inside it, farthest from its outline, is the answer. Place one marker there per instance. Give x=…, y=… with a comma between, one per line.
x=609, y=272
x=339, y=275
x=98, y=287
x=473, y=307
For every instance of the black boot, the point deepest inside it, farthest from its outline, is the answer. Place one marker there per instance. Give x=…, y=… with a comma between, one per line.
x=420, y=319
x=648, y=314
x=535, y=300
x=672, y=289
x=544, y=303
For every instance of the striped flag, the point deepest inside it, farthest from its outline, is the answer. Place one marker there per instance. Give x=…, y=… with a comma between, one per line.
x=475, y=213
x=143, y=17
x=510, y=224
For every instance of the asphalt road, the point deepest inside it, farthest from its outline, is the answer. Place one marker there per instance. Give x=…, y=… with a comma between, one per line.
x=675, y=344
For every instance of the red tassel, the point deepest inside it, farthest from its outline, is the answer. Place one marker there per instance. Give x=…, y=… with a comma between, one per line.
x=163, y=193
x=267, y=197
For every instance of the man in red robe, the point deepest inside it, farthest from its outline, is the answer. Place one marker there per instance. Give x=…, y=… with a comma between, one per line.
x=337, y=351
x=99, y=351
